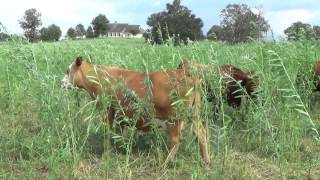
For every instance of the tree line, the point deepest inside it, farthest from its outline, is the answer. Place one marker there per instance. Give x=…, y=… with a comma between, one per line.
x=31, y=21
x=178, y=24
x=239, y=24
x=99, y=28
x=175, y=24
x=302, y=31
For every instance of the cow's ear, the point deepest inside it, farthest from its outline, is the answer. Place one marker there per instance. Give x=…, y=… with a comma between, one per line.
x=79, y=61
x=184, y=64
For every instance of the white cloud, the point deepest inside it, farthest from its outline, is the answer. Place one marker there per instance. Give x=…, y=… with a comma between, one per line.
x=280, y=20
x=255, y=11
x=156, y=2
x=60, y=10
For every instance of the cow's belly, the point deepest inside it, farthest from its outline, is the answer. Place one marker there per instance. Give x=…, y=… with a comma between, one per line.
x=151, y=118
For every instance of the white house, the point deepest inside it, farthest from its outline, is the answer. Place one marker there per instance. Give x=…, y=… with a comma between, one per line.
x=124, y=30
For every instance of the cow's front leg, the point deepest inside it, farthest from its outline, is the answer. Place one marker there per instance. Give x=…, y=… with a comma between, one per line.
x=174, y=133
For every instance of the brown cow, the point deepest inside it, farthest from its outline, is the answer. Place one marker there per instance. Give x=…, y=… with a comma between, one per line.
x=238, y=82
x=161, y=92
x=316, y=70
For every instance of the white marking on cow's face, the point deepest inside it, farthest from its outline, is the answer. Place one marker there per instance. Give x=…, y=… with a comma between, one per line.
x=155, y=123
x=66, y=82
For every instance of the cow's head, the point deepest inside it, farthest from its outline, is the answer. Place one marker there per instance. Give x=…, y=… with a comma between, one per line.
x=251, y=83
x=74, y=76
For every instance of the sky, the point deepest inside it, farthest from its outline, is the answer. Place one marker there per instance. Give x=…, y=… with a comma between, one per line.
x=68, y=13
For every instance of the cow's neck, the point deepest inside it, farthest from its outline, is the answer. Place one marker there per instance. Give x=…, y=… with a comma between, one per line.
x=91, y=87
x=93, y=90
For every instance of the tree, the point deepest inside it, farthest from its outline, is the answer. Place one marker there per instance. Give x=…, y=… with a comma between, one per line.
x=71, y=33
x=176, y=22
x=52, y=33
x=299, y=31
x=147, y=35
x=2, y=28
x=100, y=25
x=215, y=33
x=89, y=33
x=44, y=34
x=30, y=23
x=80, y=31
x=55, y=32
x=316, y=30
x=4, y=36
x=134, y=31
x=158, y=36
x=240, y=24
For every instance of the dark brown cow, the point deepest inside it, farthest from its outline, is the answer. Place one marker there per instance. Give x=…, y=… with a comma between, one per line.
x=238, y=82
x=316, y=70
x=235, y=76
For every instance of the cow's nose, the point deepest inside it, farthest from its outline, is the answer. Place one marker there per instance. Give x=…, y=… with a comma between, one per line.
x=63, y=85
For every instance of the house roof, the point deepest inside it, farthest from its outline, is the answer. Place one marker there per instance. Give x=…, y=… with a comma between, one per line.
x=116, y=27
x=123, y=28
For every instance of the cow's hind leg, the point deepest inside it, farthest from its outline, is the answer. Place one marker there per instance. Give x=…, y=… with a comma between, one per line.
x=201, y=133
x=197, y=126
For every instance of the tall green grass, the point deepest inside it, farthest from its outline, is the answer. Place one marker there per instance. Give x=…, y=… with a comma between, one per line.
x=48, y=132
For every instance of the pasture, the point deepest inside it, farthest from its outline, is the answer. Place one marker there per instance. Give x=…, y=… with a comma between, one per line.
x=49, y=132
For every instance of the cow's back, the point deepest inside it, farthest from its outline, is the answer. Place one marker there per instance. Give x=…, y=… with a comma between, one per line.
x=126, y=79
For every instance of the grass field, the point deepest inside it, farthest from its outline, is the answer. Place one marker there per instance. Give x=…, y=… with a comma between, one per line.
x=50, y=133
